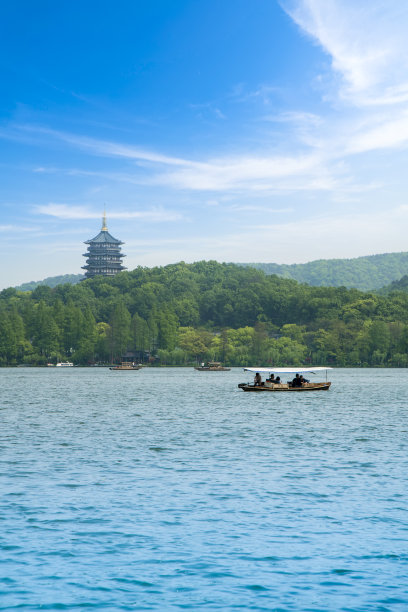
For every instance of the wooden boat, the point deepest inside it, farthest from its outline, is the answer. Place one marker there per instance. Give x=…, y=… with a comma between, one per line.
x=126, y=366
x=272, y=385
x=212, y=366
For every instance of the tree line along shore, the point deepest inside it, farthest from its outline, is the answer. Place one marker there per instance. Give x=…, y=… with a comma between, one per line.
x=182, y=314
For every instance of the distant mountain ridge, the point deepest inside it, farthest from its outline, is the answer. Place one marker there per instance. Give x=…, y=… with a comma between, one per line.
x=51, y=281
x=398, y=285
x=366, y=273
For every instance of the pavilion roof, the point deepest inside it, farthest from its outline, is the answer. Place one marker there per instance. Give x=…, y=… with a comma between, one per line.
x=104, y=237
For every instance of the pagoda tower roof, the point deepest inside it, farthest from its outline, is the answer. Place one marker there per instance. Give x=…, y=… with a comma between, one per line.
x=104, y=237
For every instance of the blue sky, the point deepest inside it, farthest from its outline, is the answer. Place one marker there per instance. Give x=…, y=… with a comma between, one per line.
x=235, y=130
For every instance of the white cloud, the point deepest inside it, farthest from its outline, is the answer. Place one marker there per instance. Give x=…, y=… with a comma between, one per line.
x=284, y=240
x=368, y=47
x=301, y=118
x=263, y=172
x=246, y=172
x=217, y=174
x=367, y=42
x=64, y=211
x=385, y=132
x=17, y=228
x=267, y=209
x=107, y=148
x=264, y=93
x=322, y=237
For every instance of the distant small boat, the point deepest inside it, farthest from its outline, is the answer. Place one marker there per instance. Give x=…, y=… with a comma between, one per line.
x=297, y=384
x=212, y=366
x=64, y=364
x=126, y=366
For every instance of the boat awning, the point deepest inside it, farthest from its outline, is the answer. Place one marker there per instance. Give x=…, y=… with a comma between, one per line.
x=290, y=370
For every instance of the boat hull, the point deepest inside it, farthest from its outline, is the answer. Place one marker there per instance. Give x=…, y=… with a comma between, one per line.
x=204, y=369
x=119, y=368
x=324, y=386
x=125, y=367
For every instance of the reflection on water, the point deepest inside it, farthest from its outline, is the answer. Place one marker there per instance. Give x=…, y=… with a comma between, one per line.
x=168, y=489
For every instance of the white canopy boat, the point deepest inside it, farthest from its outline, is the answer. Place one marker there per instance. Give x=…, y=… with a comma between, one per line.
x=297, y=383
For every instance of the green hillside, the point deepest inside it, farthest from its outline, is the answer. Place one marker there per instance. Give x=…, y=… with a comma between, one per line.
x=398, y=285
x=51, y=281
x=184, y=313
x=365, y=273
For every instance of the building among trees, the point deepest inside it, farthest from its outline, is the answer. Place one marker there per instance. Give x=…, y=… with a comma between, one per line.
x=104, y=257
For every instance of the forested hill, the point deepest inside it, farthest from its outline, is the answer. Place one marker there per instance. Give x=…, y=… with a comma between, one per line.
x=51, y=281
x=365, y=273
x=184, y=313
x=398, y=285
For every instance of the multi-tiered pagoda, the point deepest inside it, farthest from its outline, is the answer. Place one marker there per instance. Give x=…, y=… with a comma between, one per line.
x=104, y=257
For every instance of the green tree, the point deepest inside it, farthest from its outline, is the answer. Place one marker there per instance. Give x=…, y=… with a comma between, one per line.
x=72, y=328
x=139, y=334
x=119, y=332
x=7, y=346
x=260, y=342
x=46, y=332
x=167, y=325
x=194, y=342
x=85, y=353
x=19, y=343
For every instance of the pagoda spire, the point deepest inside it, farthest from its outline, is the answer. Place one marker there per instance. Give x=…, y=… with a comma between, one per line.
x=104, y=226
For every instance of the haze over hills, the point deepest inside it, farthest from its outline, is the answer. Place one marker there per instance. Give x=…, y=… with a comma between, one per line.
x=398, y=285
x=51, y=281
x=366, y=273
x=371, y=272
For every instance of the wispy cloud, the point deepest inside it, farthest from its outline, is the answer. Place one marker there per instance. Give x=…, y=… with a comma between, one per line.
x=385, y=132
x=248, y=173
x=384, y=231
x=264, y=93
x=17, y=228
x=105, y=147
x=314, y=169
x=368, y=48
x=327, y=236
x=301, y=118
x=64, y=211
x=240, y=172
x=366, y=41
x=266, y=209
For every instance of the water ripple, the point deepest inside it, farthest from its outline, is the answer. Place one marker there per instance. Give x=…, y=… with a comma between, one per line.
x=167, y=492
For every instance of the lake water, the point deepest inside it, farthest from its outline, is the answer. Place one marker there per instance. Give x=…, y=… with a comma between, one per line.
x=171, y=489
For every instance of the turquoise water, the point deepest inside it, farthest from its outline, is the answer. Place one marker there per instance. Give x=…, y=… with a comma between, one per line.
x=172, y=489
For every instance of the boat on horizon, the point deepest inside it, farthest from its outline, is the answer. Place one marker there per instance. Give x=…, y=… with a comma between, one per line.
x=126, y=366
x=212, y=366
x=64, y=364
x=296, y=384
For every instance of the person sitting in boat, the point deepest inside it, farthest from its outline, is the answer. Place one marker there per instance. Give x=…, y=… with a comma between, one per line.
x=304, y=380
x=277, y=380
x=297, y=382
x=271, y=378
x=257, y=380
